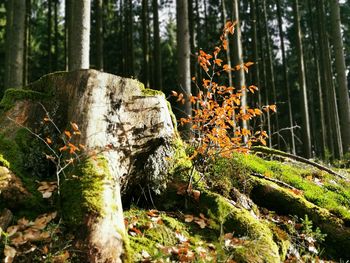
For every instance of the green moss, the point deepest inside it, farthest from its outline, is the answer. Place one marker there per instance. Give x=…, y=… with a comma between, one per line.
x=228, y=218
x=13, y=95
x=172, y=115
x=282, y=239
x=14, y=154
x=332, y=195
x=150, y=92
x=82, y=191
x=285, y=202
x=4, y=162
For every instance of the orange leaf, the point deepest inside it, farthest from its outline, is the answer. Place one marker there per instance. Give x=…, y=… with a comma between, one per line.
x=74, y=126
x=48, y=140
x=64, y=148
x=68, y=134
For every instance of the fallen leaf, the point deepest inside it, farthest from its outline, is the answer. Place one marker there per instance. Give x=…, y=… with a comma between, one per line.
x=196, y=194
x=189, y=218
x=9, y=253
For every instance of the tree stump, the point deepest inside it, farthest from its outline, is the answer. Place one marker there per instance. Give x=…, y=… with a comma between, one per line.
x=128, y=134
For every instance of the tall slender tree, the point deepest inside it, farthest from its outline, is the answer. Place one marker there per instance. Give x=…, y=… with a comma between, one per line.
x=49, y=35
x=157, y=75
x=145, y=47
x=80, y=35
x=285, y=75
x=334, y=133
x=238, y=58
x=320, y=92
x=183, y=54
x=15, y=31
x=343, y=92
x=302, y=84
x=270, y=70
x=99, y=34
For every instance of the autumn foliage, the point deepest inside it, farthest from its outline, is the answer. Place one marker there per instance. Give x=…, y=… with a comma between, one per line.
x=218, y=113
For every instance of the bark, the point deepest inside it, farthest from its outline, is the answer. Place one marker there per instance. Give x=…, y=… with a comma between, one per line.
x=270, y=68
x=79, y=34
x=145, y=47
x=318, y=83
x=334, y=135
x=343, y=92
x=15, y=44
x=302, y=85
x=99, y=35
x=156, y=50
x=128, y=135
x=240, y=82
x=285, y=75
x=27, y=41
x=183, y=55
x=256, y=59
x=49, y=35
x=262, y=68
x=56, y=35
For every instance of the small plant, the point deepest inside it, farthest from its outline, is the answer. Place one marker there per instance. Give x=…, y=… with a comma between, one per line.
x=218, y=109
x=62, y=152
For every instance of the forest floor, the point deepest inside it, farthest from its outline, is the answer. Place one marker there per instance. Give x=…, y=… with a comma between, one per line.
x=249, y=208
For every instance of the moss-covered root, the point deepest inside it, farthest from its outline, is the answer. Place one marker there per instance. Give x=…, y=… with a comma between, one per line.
x=91, y=198
x=271, y=196
x=228, y=218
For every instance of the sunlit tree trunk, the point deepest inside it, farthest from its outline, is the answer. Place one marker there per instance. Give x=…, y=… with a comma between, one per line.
x=270, y=70
x=99, y=34
x=302, y=85
x=145, y=47
x=183, y=55
x=343, y=92
x=80, y=35
x=156, y=48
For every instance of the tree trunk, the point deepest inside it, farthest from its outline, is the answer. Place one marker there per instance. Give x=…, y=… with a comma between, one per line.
x=183, y=56
x=318, y=83
x=128, y=137
x=256, y=59
x=49, y=36
x=238, y=59
x=27, y=41
x=334, y=135
x=145, y=48
x=285, y=76
x=156, y=49
x=99, y=34
x=343, y=92
x=271, y=73
x=79, y=34
x=56, y=35
x=15, y=43
x=302, y=85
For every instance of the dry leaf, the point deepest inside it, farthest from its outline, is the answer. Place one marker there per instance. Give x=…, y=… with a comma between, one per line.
x=189, y=218
x=196, y=194
x=9, y=253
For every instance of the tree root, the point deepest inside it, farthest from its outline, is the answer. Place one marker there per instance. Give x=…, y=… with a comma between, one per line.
x=267, y=150
x=276, y=181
